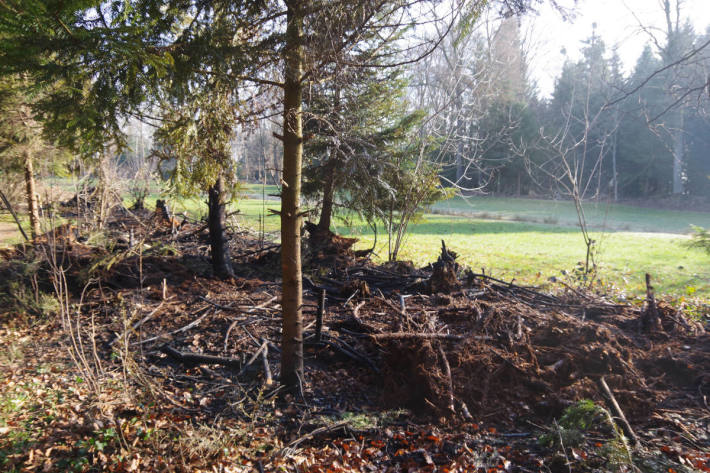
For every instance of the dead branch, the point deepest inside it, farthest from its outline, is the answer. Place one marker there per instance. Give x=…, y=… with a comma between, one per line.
x=196, y=358
x=268, y=380
x=449, y=379
x=614, y=406
x=310, y=435
x=423, y=336
x=262, y=348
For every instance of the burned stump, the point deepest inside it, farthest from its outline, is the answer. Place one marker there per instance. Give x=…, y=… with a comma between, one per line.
x=443, y=277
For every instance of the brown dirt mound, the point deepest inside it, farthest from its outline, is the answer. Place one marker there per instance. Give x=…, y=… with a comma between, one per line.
x=540, y=361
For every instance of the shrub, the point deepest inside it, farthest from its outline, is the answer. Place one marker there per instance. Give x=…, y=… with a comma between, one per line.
x=700, y=239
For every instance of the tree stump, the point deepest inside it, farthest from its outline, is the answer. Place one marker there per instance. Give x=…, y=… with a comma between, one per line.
x=443, y=277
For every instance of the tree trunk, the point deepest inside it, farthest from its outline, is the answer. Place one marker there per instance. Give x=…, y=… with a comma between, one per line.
x=292, y=334
x=326, y=212
x=615, y=174
x=678, y=155
x=221, y=261
x=32, y=205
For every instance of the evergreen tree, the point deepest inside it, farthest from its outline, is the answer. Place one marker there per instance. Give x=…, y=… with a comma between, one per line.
x=195, y=138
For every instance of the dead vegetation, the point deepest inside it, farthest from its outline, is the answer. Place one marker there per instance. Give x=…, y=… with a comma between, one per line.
x=480, y=365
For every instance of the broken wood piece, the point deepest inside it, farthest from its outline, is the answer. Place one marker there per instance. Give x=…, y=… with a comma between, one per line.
x=264, y=346
x=268, y=380
x=555, y=366
x=465, y=412
x=443, y=277
x=197, y=358
x=310, y=435
x=424, y=336
x=449, y=379
x=319, y=315
x=650, y=320
x=614, y=406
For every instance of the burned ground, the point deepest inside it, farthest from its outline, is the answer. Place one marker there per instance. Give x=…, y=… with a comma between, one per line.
x=450, y=372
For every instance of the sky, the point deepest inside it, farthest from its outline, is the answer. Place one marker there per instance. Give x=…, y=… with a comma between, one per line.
x=617, y=22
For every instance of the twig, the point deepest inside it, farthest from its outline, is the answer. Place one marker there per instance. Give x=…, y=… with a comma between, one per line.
x=310, y=435
x=267, y=248
x=14, y=215
x=614, y=406
x=423, y=336
x=449, y=379
x=268, y=380
x=181, y=329
x=196, y=358
x=147, y=317
x=264, y=346
x=236, y=322
x=140, y=322
x=319, y=315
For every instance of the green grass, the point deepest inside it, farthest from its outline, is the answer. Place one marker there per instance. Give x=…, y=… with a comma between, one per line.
x=531, y=253
x=601, y=216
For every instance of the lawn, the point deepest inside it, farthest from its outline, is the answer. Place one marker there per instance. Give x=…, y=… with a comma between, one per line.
x=533, y=252
x=600, y=215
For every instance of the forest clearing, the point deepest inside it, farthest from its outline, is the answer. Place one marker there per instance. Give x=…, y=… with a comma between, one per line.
x=320, y=236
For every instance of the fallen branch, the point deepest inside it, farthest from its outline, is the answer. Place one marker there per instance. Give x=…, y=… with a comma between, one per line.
x=139, y=323
x=147, y=317
x=181, y=329
x=238, y=321
x=310, y=435
x=614, y=406
x=262, y=348
x=196, y=358
x=449, y=379
x=345, y=349
x=268, y=380
x=423, y=336
x=261, y=250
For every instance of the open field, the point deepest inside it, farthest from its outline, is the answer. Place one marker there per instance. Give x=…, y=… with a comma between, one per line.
x=532, y=252
x=600, y=215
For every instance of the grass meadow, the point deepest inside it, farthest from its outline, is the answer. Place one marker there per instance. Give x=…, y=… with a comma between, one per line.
x=533, y=252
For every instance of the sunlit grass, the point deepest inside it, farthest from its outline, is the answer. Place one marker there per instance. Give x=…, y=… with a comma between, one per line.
x=531, y=253
x=599, y=215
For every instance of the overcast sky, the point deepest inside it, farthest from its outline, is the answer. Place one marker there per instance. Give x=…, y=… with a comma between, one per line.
x=617, y=22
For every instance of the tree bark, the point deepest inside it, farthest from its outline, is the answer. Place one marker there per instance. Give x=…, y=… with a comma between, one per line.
x=678, y=155
x=32, y=205
x=326, y=212
x=221, y=260
x=292, y=334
